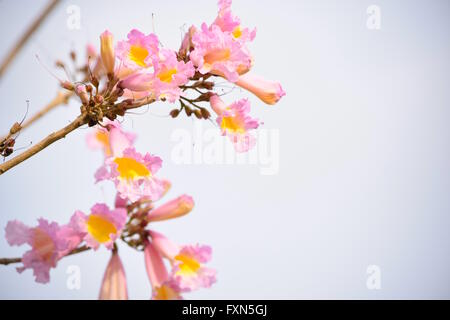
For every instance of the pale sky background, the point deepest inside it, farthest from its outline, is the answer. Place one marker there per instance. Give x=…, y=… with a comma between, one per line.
x=363, y=154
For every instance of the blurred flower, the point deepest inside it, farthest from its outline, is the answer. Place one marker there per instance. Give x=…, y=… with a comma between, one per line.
x=114, y=284
x=173, y=209
x=109, y=137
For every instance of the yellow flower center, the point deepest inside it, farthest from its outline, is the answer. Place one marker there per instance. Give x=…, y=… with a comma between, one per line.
x=167, y=75
x=166, y=293
x=100, y=228
x=217, y=56
x=237, y=32
x=138, y=54
x=43, y=244
x=103, y=138
x=129, y=168
x=232, y=124
x=188, y=266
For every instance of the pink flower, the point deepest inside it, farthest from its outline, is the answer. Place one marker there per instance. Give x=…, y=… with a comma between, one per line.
x=139, y=51
x=227, y=22
x=218, y=53
x=46, y=246
x=163, y=287
x=133, y=175
x=107, y=51
x=268, y=91
x=173, y=209
x=110, y=138
x=114, y=284
x=235, y=122
x=189, y=272
x=101, y=226
x=165, y=81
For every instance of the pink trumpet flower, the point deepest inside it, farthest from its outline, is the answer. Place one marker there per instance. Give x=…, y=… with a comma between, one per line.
x=173, y=209
x=189, y=271
x=114, y=284
x=101, y=227
x=107, y=52
x=110, y=138
x=269, y=92
x=162, y=286
x=133, y=174
x=46, y=243
x=235, y=122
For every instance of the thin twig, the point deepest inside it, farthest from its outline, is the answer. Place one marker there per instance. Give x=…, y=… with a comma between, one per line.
x=6, y=261
x=60, y=98
x=53, y=137
x=27, y=35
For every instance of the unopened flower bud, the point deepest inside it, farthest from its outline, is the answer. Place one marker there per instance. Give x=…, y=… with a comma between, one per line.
x=107, y=51
x=67, y=85
x=81, y=92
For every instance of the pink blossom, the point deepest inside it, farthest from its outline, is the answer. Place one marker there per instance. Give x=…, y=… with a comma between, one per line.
x=165, y=81
x=110, y=138
x=114, y=284
x=189, y=271
x=227, y=22
x=140, y=51
x=107, y=51
x=218, y=53
x=163, y=287
x=101, y=226
x=235, y=122
x=268, y=91
x=133, y=175
x=46, y=246
x=173, y=209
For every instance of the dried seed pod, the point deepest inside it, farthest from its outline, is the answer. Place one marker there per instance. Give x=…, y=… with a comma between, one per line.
x=174, y=113
x=205, y=113
x=188, y=111
x=198, y=114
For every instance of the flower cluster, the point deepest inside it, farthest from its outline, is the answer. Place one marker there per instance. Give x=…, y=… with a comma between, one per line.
x=126, y=75
x=137, y=192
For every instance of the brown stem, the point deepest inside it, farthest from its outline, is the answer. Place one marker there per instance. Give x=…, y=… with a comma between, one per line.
x=26, y=36
x=6, y=261
x=55, y=136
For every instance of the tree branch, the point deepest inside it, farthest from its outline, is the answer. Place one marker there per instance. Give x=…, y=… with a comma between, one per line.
x=26, y=36
x=6, y=261
x=55, y=136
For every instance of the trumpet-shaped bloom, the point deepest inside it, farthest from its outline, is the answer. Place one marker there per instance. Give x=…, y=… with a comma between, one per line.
x=139, y=51
x=173, y=209
x=227, y=22
x=107, y=51
x=189, y=271
x=133, y=175
x=114, y=284
x=101, y=226
x=235, y=122
x=46, y=246
x=110, y=138
x=163, y=287
x=165, y=81
x=269, y=92
x=218, y=53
